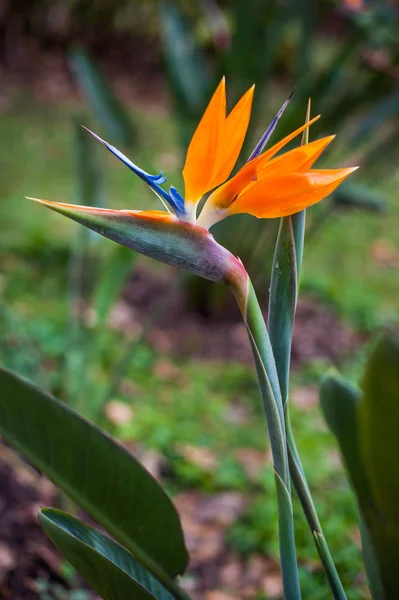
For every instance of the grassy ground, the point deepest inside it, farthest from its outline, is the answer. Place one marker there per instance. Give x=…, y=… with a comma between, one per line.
x=198, y=404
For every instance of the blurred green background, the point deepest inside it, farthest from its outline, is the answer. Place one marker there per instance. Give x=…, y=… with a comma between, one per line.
x=161, y=359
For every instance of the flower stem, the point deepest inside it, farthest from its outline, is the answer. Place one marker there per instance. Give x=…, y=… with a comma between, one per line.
x=282, y=304
x=273, y=407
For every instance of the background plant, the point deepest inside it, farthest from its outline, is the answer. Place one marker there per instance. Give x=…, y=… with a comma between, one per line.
x=38, y=157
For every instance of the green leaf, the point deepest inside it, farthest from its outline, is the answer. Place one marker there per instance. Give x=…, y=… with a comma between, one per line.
x=378, y=418
x=184, y=60
x=106, y=566
x=107, y=108
x=357, y=195
x=379, y=424
x=342, y=405
x=339, y=401
x=95, y=472
x=186, y=69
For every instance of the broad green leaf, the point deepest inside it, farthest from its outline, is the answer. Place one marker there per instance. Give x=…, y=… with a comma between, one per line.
x=106, y=106
x=342, y=405
x=379, y=425
x=371, y=562
x=112, y=571
x=339, y=401
x=95, y=472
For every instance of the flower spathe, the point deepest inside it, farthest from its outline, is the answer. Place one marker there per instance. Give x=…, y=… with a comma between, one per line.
x=269, y=185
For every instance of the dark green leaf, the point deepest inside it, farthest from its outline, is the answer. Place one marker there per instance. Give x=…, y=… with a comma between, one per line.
x=106, y=566
x=107, y=108
x=348, y=415
x=339, y=402
x=95, y=472
x=356, y=195
x=186, y=68
x=379, y=425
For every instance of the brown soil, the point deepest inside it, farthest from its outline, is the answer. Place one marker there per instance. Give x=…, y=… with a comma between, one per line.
x=319, y=333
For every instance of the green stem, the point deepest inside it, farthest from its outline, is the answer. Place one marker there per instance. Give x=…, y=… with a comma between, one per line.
x=273, y=407
x=283, y=298
x=305, y=497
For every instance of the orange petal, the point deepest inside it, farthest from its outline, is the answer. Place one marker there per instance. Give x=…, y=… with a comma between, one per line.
x=282, y=195
x=235, y=129
x=203, y=149
x=225, y=194
x=298, y=160
x=268, y=154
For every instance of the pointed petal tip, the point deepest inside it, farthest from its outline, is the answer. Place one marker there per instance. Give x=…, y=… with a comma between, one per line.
x=97, y=137
x=345, y=171
x=350, y=170
x=37, y=200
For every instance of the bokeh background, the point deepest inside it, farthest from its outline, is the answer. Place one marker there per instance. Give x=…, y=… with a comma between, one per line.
x=160, y=359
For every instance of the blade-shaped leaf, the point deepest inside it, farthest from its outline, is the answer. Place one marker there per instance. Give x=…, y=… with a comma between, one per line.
x=107, y=108
x=188, y=76
x=95, y=472
x=339, y=401
x=379, y=425
x=184, y=60
x=107, y=567
x=342, y=405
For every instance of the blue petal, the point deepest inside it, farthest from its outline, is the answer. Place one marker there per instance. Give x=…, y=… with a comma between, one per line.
x=152, y=180
x=177, y=201
x=266, y=136
x=158, y=178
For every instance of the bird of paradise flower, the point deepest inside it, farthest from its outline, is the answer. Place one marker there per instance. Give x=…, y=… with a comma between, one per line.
x=269, y=185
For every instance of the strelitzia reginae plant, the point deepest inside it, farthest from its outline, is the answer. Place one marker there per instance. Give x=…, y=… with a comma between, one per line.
x=269, y=185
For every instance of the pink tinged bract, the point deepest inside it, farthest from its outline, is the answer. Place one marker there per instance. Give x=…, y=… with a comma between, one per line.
x=162, y=236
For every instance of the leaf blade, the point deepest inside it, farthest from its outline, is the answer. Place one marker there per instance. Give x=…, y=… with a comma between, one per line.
x=107, y=567
x=94, y=471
